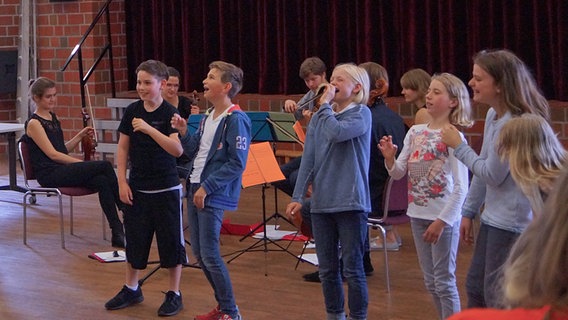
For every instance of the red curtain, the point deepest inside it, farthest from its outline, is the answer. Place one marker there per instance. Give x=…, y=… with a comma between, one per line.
x=269, y=39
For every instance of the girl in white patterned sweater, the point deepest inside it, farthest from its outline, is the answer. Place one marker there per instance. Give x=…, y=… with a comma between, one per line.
x=437, y=187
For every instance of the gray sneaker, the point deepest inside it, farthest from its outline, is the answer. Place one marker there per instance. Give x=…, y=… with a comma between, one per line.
x=125, y=298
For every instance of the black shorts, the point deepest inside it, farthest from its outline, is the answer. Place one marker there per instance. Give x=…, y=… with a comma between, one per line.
x=159, y=213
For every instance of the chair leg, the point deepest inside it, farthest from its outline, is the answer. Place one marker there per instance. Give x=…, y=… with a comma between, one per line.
x=25, y=203
x=384, y=234
x=71, y=215
x=61, y=223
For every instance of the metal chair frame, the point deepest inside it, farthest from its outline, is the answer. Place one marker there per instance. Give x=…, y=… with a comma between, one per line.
x=36, y=189
x=379, y=223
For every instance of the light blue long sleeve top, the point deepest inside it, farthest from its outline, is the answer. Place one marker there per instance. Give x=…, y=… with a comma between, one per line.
x=506, y=207
x=336, y=160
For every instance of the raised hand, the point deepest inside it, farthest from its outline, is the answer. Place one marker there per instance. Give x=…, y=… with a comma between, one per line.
x=388, y=149
x=179, y=123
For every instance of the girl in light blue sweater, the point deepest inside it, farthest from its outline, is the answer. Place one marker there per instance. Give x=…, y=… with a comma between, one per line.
x=502, y=81
x=336, y=163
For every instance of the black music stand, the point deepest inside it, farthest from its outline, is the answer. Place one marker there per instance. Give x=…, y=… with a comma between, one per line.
x=262, y=130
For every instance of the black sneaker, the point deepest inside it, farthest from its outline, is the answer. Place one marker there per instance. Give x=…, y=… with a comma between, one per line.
x=312, y=277
x=125, y=298
x=172, y=304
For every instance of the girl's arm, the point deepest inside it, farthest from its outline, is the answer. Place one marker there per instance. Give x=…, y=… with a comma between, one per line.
x=72, y=144
x=452, y=209
x=306, y=165
x=352, y=124
x=396, y=167
x=488, y=166
x=37, y=133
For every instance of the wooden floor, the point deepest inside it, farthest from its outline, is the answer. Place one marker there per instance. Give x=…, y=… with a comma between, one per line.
x=42, y=281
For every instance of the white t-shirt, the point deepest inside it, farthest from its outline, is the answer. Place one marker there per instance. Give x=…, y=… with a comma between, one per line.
x=209, y=130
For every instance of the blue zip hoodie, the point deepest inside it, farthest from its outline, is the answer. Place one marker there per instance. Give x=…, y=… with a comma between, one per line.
x=222, y=174
x=336, y=160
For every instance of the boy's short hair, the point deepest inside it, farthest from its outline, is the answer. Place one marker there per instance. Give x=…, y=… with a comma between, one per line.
x=172, y=72
x=229, y=73
x=154, y=67
x=312, y=65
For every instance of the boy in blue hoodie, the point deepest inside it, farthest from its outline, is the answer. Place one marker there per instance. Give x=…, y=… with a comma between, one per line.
x=218, y=151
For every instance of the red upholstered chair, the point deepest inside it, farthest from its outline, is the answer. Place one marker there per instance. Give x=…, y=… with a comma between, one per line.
x=35, y=189
x=395, y=199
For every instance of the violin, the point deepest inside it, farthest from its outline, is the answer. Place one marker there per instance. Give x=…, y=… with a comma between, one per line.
x=302, y=225
x=315, y=99
x=380, y=91
x=88, y=142
x=194, y=98
x=193, y=101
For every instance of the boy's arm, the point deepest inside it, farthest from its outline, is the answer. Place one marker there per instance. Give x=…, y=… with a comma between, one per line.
x=121, y=165
x=189, y=143
x=169, y=143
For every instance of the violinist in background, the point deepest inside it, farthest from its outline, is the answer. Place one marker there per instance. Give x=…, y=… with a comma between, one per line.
x=185, y=105
x=54, y=167
x=312, y=71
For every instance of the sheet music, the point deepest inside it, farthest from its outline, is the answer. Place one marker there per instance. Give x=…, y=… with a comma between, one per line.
x=262, y=166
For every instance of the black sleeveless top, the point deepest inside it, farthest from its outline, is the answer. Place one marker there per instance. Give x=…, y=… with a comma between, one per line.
x=41, y=163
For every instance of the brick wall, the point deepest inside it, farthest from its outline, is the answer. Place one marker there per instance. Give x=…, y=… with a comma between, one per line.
x=9, y=30
x=60, y=27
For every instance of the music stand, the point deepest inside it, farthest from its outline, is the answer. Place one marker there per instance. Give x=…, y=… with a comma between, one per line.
x=193, y=123
x=284, y=125
x=257, y=174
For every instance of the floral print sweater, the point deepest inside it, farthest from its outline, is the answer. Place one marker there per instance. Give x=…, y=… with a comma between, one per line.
x=437, y=181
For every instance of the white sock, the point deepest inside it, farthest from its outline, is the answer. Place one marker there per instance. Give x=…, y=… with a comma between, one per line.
x=132, y=288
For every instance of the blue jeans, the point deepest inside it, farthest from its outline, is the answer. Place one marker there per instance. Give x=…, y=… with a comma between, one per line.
x=438, y=263
x=204, y=232
x=349, y=229
x=484, y=276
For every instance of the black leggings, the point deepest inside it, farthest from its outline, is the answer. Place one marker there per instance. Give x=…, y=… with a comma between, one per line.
x=96, y=175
